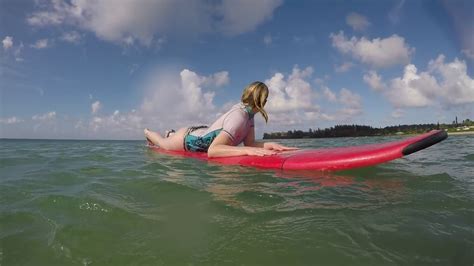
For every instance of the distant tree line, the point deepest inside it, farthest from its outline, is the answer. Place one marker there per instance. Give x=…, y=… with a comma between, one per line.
x=363, y=131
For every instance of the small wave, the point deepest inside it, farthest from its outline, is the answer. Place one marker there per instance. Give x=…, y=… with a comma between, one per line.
x=434, y=181
x=94, y=170
x=99, y=158
x=469, y=157
x=92, y=207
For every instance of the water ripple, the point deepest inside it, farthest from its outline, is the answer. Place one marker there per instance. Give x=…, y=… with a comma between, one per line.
x=118, y=203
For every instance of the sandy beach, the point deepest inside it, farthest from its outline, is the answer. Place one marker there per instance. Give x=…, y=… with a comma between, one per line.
x=461, y=133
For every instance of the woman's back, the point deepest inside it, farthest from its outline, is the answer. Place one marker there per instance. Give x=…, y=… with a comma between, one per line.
x=236, y=123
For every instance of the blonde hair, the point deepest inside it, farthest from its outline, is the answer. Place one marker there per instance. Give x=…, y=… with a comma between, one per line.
x=255, y=96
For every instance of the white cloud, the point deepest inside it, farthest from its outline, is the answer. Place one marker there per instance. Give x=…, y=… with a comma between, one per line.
x=294, y=102
x=146, y=21
x=350, y=99
x=398, y=113
x=267, y=40
x=328, y=94
x=350, y=104
x=71, y=37
x=468, y=53
x=292, y=93
x=160, y=42
x=175, y=99
x=305, y=40
x=443, y=83
x=11, y=120
x=346, y=66
x=8, y=45
x=357, y=21
x=377, y=53
x=322, y=80
x=128, y=125
x=191, y=89
x=244, y=15
x=17, y=52
x=95, y=107
x=395, y=14
x=218, y=79
x=374, y=80
x=457, y=87
x=41, y=44
x=45, y=117
x=134, y=68
x=7, y=42
x=413, y=89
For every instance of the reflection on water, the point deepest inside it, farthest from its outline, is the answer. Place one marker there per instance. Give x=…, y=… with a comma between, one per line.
x=257, y=190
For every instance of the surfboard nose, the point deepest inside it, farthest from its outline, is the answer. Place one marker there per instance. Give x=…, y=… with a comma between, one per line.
x=437, y=136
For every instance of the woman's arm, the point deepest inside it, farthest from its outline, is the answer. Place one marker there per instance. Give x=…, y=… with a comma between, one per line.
x=222, y=147
x=250, y=139
x=250, y=142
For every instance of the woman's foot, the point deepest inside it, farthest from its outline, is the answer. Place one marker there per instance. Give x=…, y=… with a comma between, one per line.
x=146, y=131
x=169, y=132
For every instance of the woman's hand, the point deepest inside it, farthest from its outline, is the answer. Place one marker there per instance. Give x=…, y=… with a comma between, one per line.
x=259, y=151
x=277, y=147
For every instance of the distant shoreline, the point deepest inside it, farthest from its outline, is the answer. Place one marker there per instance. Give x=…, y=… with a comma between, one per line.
x=461, y=133
x=337, y=131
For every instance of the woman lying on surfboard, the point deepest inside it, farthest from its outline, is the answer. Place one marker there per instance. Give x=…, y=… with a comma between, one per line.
x=222, y=138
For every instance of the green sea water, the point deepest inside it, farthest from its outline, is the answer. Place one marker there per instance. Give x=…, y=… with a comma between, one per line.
x=119, y=203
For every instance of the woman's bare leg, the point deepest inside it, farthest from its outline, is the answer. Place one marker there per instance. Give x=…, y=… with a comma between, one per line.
x=173, y=142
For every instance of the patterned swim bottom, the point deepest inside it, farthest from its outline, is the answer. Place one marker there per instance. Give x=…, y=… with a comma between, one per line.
x=199, y=143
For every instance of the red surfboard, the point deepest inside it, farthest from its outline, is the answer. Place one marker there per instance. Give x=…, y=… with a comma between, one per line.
x=326, y=159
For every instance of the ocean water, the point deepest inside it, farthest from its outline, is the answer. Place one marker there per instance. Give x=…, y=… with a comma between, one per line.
x=66, y=202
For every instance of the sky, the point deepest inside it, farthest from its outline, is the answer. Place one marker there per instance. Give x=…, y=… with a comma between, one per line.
x=107, y=69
